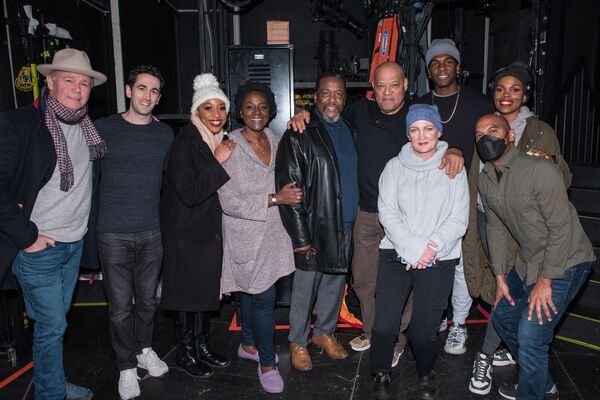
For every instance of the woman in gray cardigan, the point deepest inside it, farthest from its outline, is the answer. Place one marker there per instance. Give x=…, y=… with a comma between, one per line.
x=424, y=215
x=257, y=250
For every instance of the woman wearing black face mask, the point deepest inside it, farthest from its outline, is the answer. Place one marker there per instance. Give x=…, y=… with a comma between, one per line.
x=533, y=137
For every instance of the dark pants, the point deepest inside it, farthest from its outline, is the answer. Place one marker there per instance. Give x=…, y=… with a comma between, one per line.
x=258, y=323
x=47, y=278
x=431, y=288
x=528, y=340
x=131, y=266
x=366, y=236
x=491, y=340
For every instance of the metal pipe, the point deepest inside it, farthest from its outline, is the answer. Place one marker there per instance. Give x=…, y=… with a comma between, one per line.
x=572, y=130
x=582, y=132
x=182, y=10
x=117, y=54
x=486, y=44
x=201, y=38
x=237, y=28
x=103, y=11
x=178, y=64
x=10, y=58
x=587, y=127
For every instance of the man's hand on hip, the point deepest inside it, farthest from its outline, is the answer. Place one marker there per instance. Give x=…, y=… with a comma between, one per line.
x=40, y=243
x=540, y=299
x=502, y=291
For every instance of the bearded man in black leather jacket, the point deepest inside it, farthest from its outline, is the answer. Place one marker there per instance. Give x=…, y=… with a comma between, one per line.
x=323, y=163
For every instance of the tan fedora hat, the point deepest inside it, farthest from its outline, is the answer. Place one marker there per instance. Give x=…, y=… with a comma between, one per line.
x=72, y=60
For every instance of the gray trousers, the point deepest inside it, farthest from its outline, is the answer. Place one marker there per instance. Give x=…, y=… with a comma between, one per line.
x=327, y=289
x=492, y=340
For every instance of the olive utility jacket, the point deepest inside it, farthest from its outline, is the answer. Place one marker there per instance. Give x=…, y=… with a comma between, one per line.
x=530, y=203
x=480, y=278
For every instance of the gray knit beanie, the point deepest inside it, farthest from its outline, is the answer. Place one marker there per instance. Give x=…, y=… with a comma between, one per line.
x=423, y=112
x=442, y=46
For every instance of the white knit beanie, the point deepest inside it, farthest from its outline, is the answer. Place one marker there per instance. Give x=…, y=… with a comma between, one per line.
x=206, y=87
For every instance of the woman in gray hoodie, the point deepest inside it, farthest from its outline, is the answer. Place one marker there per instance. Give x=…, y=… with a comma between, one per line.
x=424, y=215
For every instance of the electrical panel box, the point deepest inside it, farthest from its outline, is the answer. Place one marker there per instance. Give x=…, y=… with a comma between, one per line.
x=271, y=65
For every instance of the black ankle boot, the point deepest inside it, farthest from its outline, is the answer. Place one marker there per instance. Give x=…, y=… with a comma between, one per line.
x=427, y=387
x=381, y=387
x=186, y=357
x=203, y=351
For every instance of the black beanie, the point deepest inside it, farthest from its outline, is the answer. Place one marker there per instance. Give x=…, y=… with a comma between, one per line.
x=517, y=69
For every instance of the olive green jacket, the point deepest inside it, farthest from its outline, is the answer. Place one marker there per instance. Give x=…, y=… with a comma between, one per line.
x=478, y=274
x=530, y=203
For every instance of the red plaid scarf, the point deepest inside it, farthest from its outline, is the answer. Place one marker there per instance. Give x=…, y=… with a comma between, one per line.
x=55, y=112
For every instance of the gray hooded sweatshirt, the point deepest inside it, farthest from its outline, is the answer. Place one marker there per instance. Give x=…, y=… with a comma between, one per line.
x=418, y=203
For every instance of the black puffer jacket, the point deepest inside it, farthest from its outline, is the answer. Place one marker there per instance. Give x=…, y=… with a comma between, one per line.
x=309, y=159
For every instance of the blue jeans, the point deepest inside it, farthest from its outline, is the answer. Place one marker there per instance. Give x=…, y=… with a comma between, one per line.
x=47, y=278
x=528, y=340
x=258, y=324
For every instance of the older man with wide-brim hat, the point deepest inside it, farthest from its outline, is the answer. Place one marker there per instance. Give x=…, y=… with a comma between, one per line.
x=48, y=154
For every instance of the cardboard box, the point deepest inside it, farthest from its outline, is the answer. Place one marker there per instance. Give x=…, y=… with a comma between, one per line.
x=278, y=32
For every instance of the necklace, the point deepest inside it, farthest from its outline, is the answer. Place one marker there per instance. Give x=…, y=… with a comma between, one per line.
x=256, y=145
x=455, y=105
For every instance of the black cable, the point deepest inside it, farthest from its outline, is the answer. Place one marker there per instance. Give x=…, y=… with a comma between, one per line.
x=233, y=3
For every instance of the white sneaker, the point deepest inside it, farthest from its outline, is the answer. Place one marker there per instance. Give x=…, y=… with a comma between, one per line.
x=481, y=377
x=148, y=360
x=502, y=358
x=361, y=343
x=443, y=325
x=457, y=337
x=129, y=388
x=398, y=351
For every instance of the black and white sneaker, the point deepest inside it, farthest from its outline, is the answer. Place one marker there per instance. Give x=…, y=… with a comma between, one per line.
x=509, y=391
x=481, y=378
x=503, y=358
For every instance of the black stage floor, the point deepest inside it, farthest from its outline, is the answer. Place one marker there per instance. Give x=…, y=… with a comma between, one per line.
x=89, y=361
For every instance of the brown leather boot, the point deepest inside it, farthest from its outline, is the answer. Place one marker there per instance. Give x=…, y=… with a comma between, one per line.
x=300, y=357
x=331, y=346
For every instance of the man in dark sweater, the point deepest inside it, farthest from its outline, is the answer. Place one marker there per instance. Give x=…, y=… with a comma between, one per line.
x=460, y=108
x=128, y=227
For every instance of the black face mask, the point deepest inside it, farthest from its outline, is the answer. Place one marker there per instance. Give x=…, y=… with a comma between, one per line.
x=490, y=148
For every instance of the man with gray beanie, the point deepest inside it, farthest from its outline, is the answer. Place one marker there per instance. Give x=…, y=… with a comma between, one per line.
x=459, y=108
x=48, y=154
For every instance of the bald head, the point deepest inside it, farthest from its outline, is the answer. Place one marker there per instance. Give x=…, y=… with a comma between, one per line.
x=389, y=87
x=494, y=120
x=389, y=66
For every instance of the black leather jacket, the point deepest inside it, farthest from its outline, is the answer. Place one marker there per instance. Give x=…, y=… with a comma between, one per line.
x=309, y=159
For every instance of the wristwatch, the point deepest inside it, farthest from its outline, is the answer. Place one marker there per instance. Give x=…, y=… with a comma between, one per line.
x=273, y=199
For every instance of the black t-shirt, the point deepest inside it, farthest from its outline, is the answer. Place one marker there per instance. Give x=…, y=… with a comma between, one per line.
x=379, y=139
x=459, y=131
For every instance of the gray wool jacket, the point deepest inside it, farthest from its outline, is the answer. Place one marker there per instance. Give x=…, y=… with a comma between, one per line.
x=257, y=250
x=418, y=203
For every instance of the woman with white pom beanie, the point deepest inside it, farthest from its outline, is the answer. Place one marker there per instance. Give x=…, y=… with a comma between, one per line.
x=191, y=226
